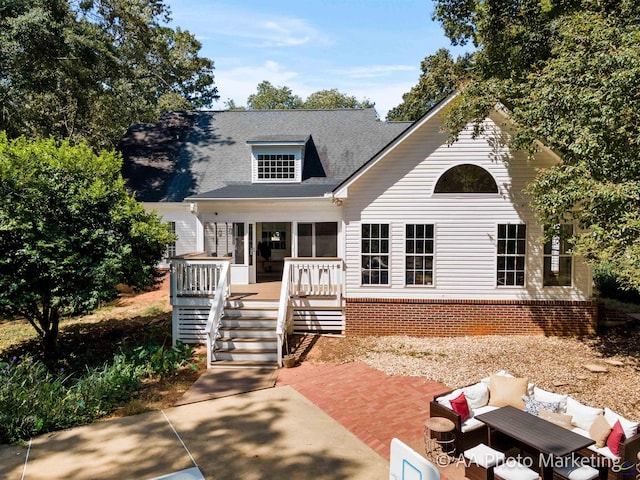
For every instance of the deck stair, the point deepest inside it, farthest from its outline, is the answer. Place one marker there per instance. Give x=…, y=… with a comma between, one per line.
x=247, y=336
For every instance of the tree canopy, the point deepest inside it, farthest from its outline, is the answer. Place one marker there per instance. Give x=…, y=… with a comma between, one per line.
x=569, y=75
x=332, y=98
x=86, y=70
x=441, y=76
x=69, y=232
x=269, y=97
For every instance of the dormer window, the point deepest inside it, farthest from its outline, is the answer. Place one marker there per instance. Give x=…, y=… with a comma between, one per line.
x=276, y=166
x=276, y=160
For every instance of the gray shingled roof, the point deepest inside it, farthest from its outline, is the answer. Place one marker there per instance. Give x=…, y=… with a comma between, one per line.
x=269, y=190
x=206, y=154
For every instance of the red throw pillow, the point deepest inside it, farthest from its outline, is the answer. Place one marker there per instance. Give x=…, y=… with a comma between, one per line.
x=461, y=407
x=614, y=438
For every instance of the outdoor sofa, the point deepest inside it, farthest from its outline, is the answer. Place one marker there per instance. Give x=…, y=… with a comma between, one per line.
x=503, y=389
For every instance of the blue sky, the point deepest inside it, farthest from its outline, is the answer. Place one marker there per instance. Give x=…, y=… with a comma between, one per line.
x=365, y=48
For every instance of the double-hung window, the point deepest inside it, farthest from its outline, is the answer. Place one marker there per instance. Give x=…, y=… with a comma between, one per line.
x=171, y=248
x=419, y=254
x=557, y=257
x=512, y=246
x=375, y=254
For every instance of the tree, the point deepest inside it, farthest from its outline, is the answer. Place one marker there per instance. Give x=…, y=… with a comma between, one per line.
x=69, y=232
x=568, y=72
x=230, y=104
x=85, y=70
x=331, y=99
x=441, y=76
x=269, y=97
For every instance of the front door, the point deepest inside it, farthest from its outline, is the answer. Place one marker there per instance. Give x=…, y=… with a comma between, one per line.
x=273, y=244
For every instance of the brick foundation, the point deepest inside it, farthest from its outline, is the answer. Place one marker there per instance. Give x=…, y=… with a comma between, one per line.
x=469, y=317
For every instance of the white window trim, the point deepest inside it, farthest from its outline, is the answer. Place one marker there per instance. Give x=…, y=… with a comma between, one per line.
x=433, y=265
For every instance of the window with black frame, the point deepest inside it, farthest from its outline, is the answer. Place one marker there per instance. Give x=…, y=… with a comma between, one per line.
x=419, y=254
x=375, y=254
x=511, y=258
x=558, y=261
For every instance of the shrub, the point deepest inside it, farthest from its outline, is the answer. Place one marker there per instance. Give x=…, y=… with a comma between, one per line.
x=34, y=400
x=162, y=360
x=608, y=286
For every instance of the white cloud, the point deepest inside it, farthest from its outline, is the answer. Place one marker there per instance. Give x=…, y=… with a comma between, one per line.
x=239, y=82
x=257, y=29
x=386, y=96
x=375, y=71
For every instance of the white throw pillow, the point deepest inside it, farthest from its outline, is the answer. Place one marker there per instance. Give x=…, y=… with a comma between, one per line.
x=628, y=427
x=445, y=400
x=549, y=397
x=477, y=395
x=583, y=415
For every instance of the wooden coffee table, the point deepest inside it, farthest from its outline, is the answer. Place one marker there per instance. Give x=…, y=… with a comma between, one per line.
x=540, y=435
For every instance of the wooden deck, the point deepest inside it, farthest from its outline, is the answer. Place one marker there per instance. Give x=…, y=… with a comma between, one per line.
x=257, y=291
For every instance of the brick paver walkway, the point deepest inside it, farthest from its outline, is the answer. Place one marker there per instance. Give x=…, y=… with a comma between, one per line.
x=372, y=405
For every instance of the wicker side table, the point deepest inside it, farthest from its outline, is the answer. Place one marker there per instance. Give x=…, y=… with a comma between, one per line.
x=439, y=437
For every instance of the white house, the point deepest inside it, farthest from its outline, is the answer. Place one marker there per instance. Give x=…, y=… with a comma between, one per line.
x=373, y=227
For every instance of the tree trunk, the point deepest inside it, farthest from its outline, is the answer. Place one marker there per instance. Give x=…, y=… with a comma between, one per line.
x=50, y=338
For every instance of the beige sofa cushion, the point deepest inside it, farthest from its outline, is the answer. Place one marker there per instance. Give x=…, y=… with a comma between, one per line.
x=505, y=391
x=599, y=431
x=557, y=418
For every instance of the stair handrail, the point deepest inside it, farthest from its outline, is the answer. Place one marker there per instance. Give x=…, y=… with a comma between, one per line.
x=283, y=308
x=214, y=321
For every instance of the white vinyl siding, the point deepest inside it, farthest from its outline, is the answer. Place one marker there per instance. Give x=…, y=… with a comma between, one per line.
x=185, y=225
x=399, y=190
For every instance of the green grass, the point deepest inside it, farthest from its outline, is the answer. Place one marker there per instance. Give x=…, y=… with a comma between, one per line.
x=14, y=332
x=620, y=305
x=154, y=310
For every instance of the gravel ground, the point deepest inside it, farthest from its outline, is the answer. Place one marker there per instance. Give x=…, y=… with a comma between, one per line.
x=553, y=363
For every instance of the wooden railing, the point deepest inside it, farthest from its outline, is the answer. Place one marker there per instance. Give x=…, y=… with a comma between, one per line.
x=306, y=277
x=283, y=309
x=196, y=274
x=318, y=277
x=214, y=321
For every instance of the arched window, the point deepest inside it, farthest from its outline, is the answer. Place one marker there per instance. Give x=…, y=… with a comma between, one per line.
x=466, y=178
